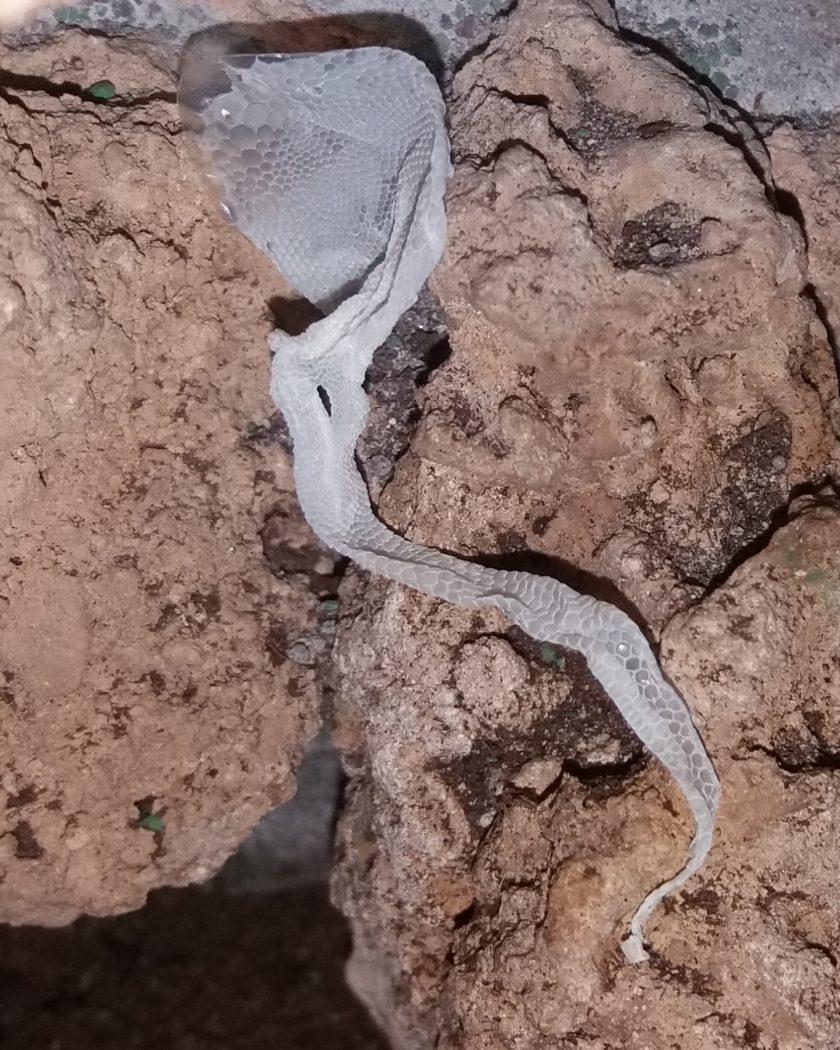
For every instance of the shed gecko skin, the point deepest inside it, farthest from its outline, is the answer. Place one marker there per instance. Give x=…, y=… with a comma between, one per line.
x=335, y=166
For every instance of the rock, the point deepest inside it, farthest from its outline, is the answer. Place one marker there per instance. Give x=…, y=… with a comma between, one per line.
x=168, y=612
x=637, y=380
x=762, y=657
x=777, y=60
x=805, y=166
x=438, y=30
x=150, y=710
x=417, y=345
x=639, y=383
x=617, y=254
x=442, y=717
x=503, y=932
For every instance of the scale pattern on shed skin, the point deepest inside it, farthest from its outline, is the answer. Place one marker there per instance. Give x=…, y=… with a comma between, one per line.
x=335, y=166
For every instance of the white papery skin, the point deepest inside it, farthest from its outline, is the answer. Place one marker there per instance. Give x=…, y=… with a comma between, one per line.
x=335, y=166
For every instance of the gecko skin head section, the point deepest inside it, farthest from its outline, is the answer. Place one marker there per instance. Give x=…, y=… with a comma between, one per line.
x=307, y=152
x=335, y=165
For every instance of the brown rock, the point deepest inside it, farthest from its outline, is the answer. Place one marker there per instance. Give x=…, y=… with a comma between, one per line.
x=487, y=914
x=639, y=383
x=15, y=12
x=150, y=711
x=805, y=166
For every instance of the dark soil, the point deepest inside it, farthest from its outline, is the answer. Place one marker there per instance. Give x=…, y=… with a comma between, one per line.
x=192, y=970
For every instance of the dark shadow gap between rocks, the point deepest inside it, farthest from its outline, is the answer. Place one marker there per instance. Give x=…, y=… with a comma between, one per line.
x=252, y=960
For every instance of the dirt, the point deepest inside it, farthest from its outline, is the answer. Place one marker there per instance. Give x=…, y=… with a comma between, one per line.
x=193, y=970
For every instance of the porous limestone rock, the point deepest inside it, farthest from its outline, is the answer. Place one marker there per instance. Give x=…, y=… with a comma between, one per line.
x=805, y=165
x=639, y=383
x=151, y=709
x=500, y=826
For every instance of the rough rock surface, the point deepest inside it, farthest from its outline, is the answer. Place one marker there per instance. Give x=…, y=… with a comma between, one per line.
x=618, y=252
x=150, y=710
x=442, y=31
x=775, y=58
x=503, y=830
x=805, y=165
x=150, y=534
x=639, y=383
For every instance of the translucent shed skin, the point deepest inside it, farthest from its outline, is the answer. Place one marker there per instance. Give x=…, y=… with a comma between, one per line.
x=335, y=166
